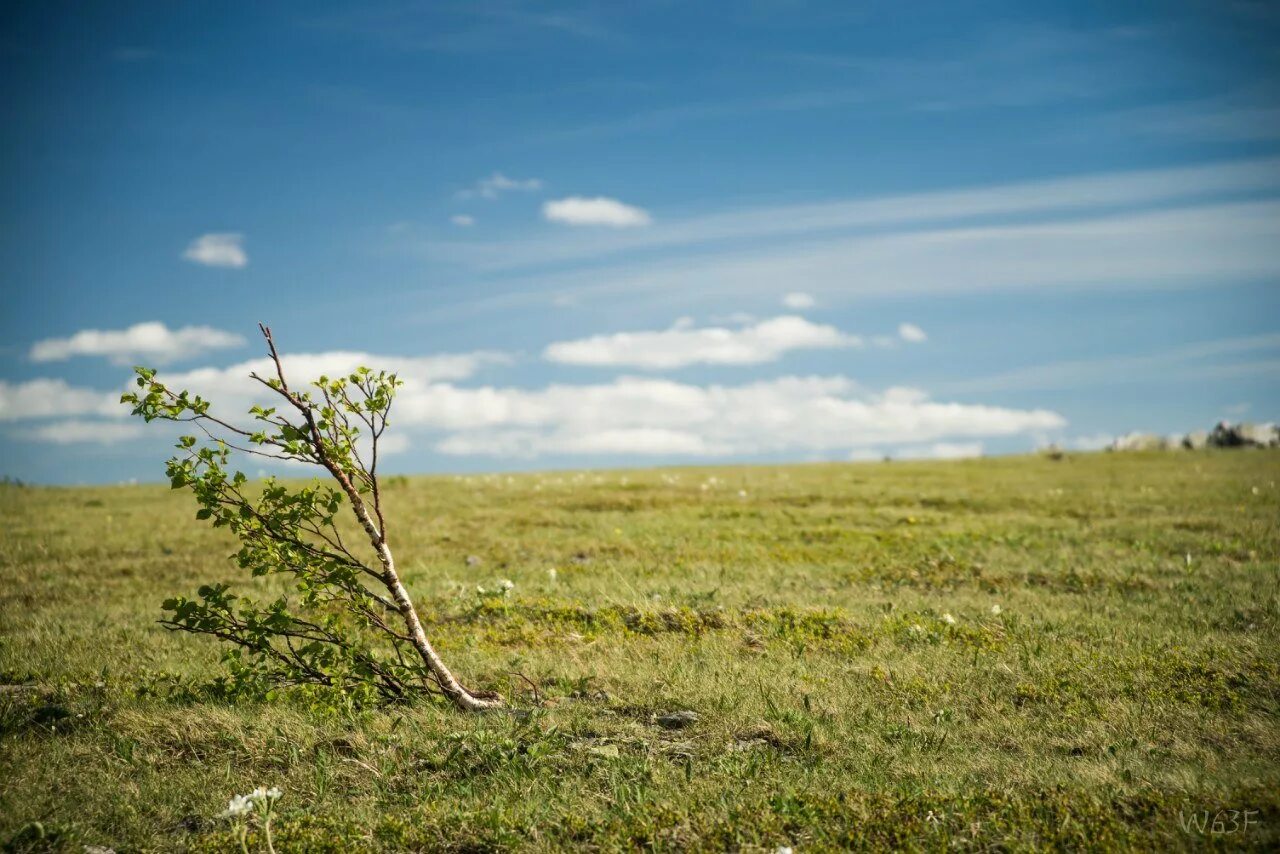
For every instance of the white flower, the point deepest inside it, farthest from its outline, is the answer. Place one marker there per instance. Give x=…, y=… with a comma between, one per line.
x=551, y=574
x=506, y=584
x=996, y=609
x=238, y=806
x=742, y=493
x=948, y=619
x=782, y=849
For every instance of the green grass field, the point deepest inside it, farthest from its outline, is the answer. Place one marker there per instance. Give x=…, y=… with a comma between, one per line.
x=833, y=626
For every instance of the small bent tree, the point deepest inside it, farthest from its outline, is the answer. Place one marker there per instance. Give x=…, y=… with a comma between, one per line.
x=355, y=628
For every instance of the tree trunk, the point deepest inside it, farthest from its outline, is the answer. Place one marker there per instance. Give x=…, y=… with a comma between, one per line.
x=449, y=683
x=461, y=697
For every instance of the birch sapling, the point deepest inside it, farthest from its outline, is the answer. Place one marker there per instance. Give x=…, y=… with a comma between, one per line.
x=353, y=627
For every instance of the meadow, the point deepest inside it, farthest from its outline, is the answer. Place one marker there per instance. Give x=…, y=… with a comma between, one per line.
x=995, y=654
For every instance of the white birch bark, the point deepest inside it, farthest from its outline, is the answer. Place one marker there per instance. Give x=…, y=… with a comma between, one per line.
x=449, y=684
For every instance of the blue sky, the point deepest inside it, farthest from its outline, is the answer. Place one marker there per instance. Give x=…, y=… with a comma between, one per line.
x=644, y=233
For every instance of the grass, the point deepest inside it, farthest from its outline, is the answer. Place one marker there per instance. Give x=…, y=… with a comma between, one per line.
x=1128, y=684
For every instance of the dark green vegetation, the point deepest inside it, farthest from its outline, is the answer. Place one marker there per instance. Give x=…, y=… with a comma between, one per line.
x=1129, y=683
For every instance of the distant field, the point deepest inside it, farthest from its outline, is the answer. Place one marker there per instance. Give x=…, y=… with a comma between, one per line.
x=1129, y=682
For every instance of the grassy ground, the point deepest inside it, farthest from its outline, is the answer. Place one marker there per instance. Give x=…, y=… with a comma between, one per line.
x=1128, y=683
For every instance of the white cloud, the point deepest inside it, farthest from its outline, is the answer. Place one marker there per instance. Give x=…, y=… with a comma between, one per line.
x=149, y=341
x=912, y=333
x=50, y=398
x=684, y=345
x=496, y=184
x=463, y=220
x=391, y=443
x=232, y=391
x=86, y=432
x=577, y=210
x=222, y=249
x=638, y=416
x=631, y=416
x=900, y=394
x=798, y=301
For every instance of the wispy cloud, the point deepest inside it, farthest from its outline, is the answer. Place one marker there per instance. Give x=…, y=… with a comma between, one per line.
x=221, y=249
x=1247, y=116
x=1175, y=363
x=465, y=29
x=1082, y=196
x=1192, y=246
x=577, y=210
x=684, y=345
x=463, y=220
x=911, y=333
x=799, y=301
x=658, y=118
x=154, y=342
x=576, y=23
x=1005, y=67
x=496, y=184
